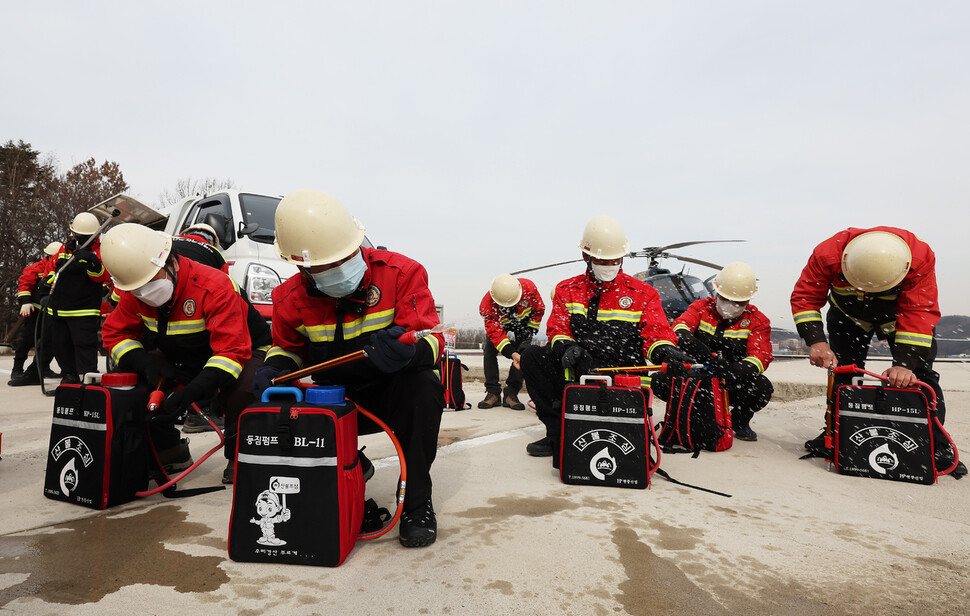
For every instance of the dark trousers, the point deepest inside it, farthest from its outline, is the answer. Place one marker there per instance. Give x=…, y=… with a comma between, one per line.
x=410, y=403
x=233, y=399
x=850, y=343
x=746, y=397
x=545, y=381
x=513, y=384
x=26, y=341
x=75, y=342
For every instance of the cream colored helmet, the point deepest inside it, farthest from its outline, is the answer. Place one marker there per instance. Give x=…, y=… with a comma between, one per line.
x=53, y=248
x=736, y=282
x=876, y=261
x=133, y=254
x=314, y=228
x=85, y=223
x=603, y=238
x=506, y=290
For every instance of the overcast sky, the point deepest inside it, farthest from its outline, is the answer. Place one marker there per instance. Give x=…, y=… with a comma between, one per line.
x=480, y=137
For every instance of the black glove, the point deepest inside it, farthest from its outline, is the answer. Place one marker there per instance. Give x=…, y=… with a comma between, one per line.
x=573, y=353
x=739, y=371
x=89, y=260
x=674, y=358
x=153, y=366
x=200, y=389
x=264, y=378
x=71, y=244
x=719, y=367
x=386, y=353
x=694, y=347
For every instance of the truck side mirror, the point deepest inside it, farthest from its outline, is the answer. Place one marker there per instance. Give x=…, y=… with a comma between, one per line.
x=245, y=230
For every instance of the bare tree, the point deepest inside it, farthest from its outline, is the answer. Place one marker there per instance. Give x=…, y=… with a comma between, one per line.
x=36, y=207
x=189, y=187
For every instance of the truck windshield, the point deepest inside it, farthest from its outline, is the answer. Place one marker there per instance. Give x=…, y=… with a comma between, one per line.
x=261, y=210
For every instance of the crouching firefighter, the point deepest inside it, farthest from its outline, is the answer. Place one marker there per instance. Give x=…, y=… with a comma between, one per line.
x=733, y=338
x=178, y=322
x=349, y=298
x=600, y=318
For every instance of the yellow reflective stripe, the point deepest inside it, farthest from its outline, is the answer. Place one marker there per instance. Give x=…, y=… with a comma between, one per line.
x=706, y=327
x=115, y=297
x=90, y=312
x=275, y=351
x=576, y=308
x=150, y=323
x=534, y=324
x=682, y=327
x=224, y=363
x=434, y=344
x=96, y=274
x=317, y=333
x=185, y=327
x=737, y=333
x=914, y=339
x=263, y=348
x=561, y=337
x=368, y=323
x=119, y=350
x=656, y=345
x=501, y=345
x=807, y=316
x=629, y=316
x=23, y=294
x=757, y=362
x=645, y=380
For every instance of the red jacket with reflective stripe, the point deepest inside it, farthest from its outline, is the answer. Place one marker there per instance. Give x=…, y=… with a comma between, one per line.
x=77, y=292
x=746, y=338
x=206, y=327
x=910, y=309
x=32, y=275
x=394, y=291
x=523, y=318
x=627, y=327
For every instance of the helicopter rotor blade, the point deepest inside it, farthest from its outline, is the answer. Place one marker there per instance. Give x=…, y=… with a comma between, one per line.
x=657, y=251
x=532, y=269
x=693, y=260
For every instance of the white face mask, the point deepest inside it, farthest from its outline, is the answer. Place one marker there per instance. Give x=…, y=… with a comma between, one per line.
x=605, y=273
x=156, y=292
x=728, y=309
x=342, y=280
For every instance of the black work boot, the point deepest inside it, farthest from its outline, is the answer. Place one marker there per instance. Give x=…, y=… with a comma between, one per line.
x=541, y=448
x=510, y=400
x=28, y=376
x=419, y=526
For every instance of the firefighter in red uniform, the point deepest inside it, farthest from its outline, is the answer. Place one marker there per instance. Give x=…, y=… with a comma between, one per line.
x=193, y=319
x=601, y=318
x=32, y=289
x=512, y=310
x=348, y=298
x=878, y=281
x=74, y=306
x=733, y=338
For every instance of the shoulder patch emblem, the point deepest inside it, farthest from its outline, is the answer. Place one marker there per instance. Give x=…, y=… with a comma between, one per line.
x=188, y=307
x=625, y=302
x=373, y=296
x=745, y=322
x=524, y=304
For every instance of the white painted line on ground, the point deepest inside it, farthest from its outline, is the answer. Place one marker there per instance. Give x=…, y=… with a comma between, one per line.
x=467, y=444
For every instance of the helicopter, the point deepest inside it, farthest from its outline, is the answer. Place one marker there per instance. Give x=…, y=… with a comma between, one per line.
x=677, y=290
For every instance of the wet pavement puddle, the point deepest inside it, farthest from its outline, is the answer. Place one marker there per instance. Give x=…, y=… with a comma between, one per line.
x=84, y=560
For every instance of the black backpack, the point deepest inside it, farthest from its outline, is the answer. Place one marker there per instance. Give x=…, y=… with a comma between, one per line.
x=449, y=371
